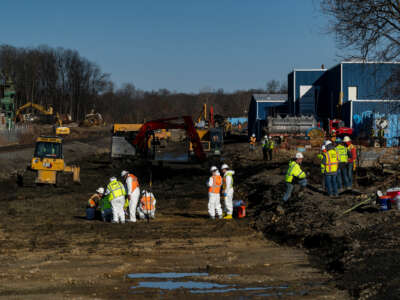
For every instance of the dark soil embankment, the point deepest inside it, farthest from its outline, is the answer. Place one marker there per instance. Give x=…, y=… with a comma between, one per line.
x=361, y=249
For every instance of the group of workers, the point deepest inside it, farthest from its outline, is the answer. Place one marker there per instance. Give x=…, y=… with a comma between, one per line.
x=267, y=146
x=121, y=197
x=338, y=162
x=218, y=185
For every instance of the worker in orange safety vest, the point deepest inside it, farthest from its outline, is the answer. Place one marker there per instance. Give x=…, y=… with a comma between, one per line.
x=214, y=188
x=147, y=205
x=252, y=142
x=132, y=192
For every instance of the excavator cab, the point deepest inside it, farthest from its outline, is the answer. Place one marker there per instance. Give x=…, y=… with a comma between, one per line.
x=48, y=165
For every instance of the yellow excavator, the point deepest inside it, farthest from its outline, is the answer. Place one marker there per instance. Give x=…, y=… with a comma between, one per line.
x=59, y=129
x=48, y=165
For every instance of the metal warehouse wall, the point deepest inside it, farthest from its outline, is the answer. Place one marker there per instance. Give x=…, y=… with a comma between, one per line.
x=290, y=93
x=305, y=77
x=369, y=78
x=252, y=117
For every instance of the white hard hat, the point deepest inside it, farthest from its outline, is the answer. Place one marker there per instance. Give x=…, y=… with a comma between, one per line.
x=327, y=143
x=213, y=168
x=346, y=139
x=299, y=155
x=224, y=166
x=253, y=135
x=266, y=137
x=123, y=173
x=100, y=190
x=113, y=178
x=323, y=147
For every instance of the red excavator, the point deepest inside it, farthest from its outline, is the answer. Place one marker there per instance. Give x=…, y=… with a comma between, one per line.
x=148, y=128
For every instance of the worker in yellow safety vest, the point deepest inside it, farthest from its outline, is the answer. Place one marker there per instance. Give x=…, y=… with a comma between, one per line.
x=343, y=157
x=268, y=147
x=294, y=174
x=331, y=163
x=321, y=157
x=116, y=195
x=253, y=142
x=214, y=189
x=147, y=205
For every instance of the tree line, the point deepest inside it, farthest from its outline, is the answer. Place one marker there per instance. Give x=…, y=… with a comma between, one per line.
x=74, y=85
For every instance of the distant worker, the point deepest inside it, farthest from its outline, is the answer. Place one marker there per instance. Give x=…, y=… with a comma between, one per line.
x=270, y=147
x=342, y=174
x=352, y=154
x=252, y=142
x=265, y=147
x=133, y=193
x=147, y=206
x=331, y=164
x=214, y=189
x=381, y=137
x=227, y=190
x=294, y=174
x=116, y=195
x=321, y=157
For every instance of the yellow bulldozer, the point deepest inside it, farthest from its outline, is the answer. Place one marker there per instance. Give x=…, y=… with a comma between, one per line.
x=48, y=165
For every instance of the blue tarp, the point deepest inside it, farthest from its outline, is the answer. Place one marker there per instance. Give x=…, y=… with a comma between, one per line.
x=236, y=121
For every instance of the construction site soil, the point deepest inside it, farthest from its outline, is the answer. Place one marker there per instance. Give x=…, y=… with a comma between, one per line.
x=48, y=250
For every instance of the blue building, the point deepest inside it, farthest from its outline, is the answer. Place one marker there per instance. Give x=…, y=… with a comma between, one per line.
x=359, y=93
x=262, y=106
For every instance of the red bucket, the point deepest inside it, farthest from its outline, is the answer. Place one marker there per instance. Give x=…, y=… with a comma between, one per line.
x=239, y=211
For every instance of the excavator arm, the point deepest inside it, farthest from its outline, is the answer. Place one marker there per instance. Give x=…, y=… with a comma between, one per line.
x=142, y=137
x=38, y=107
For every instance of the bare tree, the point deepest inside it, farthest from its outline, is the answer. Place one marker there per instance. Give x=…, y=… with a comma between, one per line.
x=369, y=27
x=272, y=86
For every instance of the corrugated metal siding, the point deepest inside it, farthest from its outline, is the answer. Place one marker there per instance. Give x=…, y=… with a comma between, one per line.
x=263, y=109
x=252, y=117
x=369, y=78
x=290, y=93
x=306, y=78
x=365, y=114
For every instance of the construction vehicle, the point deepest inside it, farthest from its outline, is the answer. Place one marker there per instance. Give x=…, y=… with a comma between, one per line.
x=121, y=141
x=93, y=119
x=337, y=129
x=141, y=141
x=48, y=165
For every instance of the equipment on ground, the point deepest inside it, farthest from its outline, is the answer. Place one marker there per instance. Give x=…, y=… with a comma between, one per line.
x=93, y=119
x=7, y=105
x=121, y=141
x=48, y=165
x=297, y=125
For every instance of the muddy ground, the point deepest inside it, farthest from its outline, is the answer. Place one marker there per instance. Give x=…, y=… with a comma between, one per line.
x=49, y=251
x=295, y=251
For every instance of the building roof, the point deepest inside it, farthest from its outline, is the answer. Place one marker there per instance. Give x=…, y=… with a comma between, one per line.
x=270, y=97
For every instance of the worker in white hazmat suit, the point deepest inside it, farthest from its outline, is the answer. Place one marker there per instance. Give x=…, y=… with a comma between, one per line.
x=147, y=205
x=214, y=189
x=116, y=195
x=227, y=190
x=133, y=193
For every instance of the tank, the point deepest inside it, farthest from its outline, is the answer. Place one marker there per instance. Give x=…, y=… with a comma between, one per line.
x=290, y=125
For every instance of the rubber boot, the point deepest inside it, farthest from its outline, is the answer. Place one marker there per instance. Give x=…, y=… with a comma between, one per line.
x=228, y=217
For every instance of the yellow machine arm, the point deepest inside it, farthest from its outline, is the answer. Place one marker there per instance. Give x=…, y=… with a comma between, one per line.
x=38, y=107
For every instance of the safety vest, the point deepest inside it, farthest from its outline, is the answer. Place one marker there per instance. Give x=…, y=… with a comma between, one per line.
x=147, y=203
x=224, y=187
x=116, y=190
x=135, y=182
x=268, y=144
x=321, y=157
x=216, y=186
x=94, y=200
x=294, y=171
x=105, y=203
x=252, y=140
x=332, y=162
x=342, y=153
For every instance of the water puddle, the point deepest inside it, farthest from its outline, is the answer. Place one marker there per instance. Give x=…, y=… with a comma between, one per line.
x=170, y=281
x=165, y=275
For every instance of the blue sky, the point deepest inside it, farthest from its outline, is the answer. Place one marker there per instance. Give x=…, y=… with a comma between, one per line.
x=182, y=45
